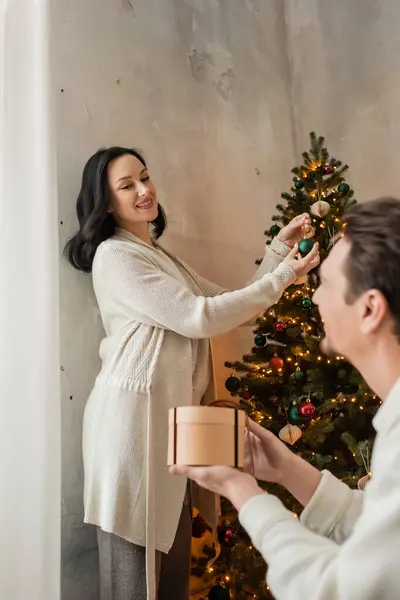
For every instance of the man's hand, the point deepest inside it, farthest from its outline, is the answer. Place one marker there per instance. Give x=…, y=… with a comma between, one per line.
x=238, y=487
x=295, y=231
x=275, y=463
x=301, y=266
x=266, y=454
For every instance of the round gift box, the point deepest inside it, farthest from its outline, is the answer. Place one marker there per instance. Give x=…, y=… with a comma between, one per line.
x=206, y=436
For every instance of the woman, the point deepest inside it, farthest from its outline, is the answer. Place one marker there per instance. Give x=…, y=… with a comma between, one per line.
x=158, y=316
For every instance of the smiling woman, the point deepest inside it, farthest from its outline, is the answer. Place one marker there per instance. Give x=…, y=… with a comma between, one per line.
x=158, y=315
x=116, y=189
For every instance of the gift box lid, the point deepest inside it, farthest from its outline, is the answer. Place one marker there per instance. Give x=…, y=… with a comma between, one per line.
x=211, y=415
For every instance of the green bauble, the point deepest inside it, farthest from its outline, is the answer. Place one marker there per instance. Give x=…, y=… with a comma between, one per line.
x=232, y=384
x=298, y=184
x=260, y=340
x=298, y=375
x=274, y=230
x=344, y=188
x=306, y=304
x=305, y=246
x=294, y=414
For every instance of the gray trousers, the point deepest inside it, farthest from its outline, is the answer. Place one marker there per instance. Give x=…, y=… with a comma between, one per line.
x=123, y=566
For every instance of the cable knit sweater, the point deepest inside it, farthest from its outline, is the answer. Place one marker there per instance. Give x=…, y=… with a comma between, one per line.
x=153, y=307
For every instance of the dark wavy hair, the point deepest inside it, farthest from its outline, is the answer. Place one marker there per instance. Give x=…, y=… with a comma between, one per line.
x=96, y=224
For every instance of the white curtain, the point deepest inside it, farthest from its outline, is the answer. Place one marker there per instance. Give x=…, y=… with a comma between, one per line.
x=29, y=340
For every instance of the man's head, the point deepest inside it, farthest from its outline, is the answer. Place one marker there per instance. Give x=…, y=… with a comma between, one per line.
x=359, y=294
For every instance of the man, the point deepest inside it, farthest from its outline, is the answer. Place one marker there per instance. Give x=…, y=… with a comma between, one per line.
x=346, y=545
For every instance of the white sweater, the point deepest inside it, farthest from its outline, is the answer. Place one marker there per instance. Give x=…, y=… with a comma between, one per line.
x=346, y=546
x=151, y=314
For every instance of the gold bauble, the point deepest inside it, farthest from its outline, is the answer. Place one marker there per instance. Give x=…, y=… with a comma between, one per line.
x=290, y=434
x=320, y=208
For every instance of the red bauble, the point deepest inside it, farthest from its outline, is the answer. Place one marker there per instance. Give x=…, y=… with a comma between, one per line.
x=227, y=535
x=329, y=169
x=307, y=410
x=276, y=363
x=279, y=327
x=245, y=394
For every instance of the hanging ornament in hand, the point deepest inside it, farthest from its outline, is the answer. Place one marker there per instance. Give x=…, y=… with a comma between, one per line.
x=232, y=384
x=298, y=184
x=219, y=592
x=306, y=304
x=344, y=188
x=274, y=230
x=260, y=340
x=309, y=233
x=305, y=246
x=320, y=208
x=276, y=363
x=199, y=527
x=280, y=326
x=307, y=409
x=328, y=169
x=290, y=434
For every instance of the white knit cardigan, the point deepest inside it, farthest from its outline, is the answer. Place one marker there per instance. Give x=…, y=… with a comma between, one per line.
x=150, y=316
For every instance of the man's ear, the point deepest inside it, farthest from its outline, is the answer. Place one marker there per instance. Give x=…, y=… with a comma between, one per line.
x=373, y=310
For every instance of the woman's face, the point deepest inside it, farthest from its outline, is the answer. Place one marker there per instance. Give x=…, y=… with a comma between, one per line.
x=133, y=196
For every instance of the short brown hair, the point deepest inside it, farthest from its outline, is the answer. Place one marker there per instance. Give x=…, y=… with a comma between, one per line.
x=373, y=231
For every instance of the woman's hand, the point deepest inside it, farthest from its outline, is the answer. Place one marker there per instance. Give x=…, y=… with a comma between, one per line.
x=266, y=454
x=295, y=231
x=301, y=266
x=238, y=487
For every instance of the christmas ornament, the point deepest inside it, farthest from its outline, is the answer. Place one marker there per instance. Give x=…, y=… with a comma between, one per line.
x=294, y=414
x=232, y=384
x=280, y=326
x=245, y=394
x=199, y=527
x=276, y=363
x=298, y=184
x=363, y=482
x=298, y=374
x=290, y=434
x=320, y=208
x=344, y=188
x=309, y=233
x=218, y=592
x=307, y=409
x=274, y=230
x=260, y=340
x=306, y=303
x=305, y=246
x=227, y=535
x=329, y=169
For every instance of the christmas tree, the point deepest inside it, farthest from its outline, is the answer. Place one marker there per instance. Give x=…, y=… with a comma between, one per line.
x=319, y=406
